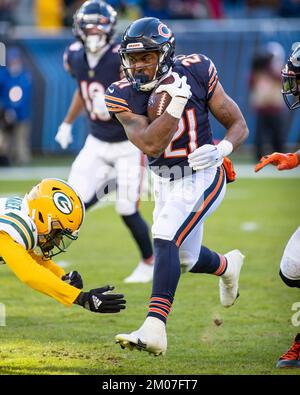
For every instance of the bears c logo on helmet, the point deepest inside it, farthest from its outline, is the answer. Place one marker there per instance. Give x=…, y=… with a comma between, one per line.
x=62, y=202
x=164, y=31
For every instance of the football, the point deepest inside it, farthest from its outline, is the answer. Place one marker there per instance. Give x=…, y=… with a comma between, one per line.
x=158, y=102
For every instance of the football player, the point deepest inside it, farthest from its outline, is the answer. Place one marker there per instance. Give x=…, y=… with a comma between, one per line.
x=187, y=168
x=290, y=261
x=94, y=61
x=39, y=226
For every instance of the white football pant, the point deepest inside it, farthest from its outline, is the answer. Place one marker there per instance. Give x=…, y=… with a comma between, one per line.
x=182, y=206
x=99, y=161
x=290, y=262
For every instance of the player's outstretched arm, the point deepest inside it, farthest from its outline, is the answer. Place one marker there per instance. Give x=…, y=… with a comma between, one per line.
x=33, y=274
x=72, y=278
x=281, y=161
x=99, y=300
x=48, y=264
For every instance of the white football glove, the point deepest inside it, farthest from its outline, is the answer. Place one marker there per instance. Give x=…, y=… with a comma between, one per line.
x=64, y=135
x=180, y=91
x=99, y=107
x=179, y=87
x=209, y=155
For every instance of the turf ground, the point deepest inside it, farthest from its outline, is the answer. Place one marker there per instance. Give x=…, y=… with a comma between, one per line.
x=257, y=216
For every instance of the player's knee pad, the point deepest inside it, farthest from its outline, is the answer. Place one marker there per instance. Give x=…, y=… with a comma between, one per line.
x=169, y=221
x=289, y=282
x=163, y=229
x=161, y=233
x=126, y=207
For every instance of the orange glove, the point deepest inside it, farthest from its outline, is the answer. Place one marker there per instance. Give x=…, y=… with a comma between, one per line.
x=282, y=161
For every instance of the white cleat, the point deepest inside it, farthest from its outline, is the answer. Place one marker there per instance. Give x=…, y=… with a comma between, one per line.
x=229, y=281
x=151, y=337
x=143, y=273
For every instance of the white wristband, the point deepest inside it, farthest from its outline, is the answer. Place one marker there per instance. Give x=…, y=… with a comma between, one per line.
x=225, y=147
x=176, y=106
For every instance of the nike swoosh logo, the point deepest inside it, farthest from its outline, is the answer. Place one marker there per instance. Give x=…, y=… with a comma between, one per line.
x=110, y=90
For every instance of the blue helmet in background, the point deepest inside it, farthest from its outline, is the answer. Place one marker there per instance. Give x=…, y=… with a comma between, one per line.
x=94, y=24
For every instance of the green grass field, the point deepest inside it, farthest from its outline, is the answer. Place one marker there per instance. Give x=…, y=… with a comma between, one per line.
x=43, y=337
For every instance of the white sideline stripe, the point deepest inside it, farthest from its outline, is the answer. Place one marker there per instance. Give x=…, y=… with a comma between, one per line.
x=33, y=173
x=247, y=171
x=37, y=173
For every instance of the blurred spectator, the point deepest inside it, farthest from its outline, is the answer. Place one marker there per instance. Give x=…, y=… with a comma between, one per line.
x=188, y=9
x=7, y=8
x=127, y=9
x=234, y=8
x=266, y=99
x=252, y=8
x=215, y=8
x=156, y=8
x=289, y=8
x=262, y=8
x=15, y=104
x=69, y=9
x=24, y=13
x=182, y=9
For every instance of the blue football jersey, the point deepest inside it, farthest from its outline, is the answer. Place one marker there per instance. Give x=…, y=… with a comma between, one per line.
x=194, y=127
x=97, y=79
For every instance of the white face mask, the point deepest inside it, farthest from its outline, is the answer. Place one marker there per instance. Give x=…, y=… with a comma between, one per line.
x=94, y=42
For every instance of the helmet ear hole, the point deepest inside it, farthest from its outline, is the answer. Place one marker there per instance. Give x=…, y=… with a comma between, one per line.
x=41, y=217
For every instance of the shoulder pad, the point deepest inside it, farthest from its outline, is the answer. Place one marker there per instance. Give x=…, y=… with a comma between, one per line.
x=18, y=224
x=76, y=46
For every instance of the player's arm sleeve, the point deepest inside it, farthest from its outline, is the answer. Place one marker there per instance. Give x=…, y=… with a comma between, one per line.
x=34, y=275
x=115, y=101
x=206, y=74
x=212, y=79
x=48, y=264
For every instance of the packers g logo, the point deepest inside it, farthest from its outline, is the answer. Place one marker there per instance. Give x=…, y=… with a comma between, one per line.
x=62, y=202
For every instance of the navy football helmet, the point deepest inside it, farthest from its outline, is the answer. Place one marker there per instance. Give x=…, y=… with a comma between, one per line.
x=98, y=16
x=291, y=78
x=147, y=35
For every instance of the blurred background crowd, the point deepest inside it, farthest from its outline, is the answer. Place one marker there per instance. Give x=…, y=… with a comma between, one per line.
x=59, y=12
x=35, y=91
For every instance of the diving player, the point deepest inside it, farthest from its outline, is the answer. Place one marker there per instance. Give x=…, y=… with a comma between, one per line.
x=290, y=261
x=188, y=174
x=94, y=61
x=39, y=226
